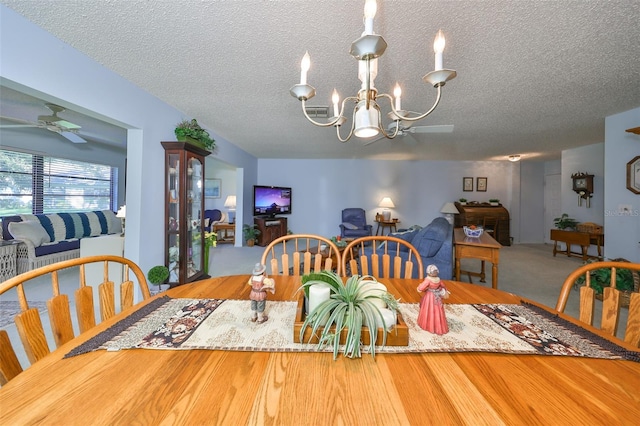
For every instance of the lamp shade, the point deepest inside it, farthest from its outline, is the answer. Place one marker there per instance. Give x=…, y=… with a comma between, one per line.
x=386, y=203
x=230, y=202
x=449, y=208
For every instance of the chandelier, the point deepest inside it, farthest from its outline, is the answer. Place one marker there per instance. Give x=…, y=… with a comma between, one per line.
x=367, y=117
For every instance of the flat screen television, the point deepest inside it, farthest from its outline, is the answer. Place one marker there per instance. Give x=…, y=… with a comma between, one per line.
x=271, y=200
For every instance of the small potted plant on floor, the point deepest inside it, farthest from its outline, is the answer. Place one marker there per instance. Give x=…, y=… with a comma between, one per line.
x=250, y=234
x=158, y=275
x=190, y=131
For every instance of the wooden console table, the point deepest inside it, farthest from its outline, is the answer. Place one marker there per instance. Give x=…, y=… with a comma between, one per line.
x=484, y=248
x=582, y=239
x=222, y=231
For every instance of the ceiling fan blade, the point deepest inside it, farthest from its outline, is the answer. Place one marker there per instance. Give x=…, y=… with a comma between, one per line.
x=408, y=139
x=72, y=137
x=6, y=126
x=441, y=128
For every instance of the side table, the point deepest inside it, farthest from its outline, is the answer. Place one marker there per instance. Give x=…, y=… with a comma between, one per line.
x=382, y=224
x=223, y=229
x=8, y=254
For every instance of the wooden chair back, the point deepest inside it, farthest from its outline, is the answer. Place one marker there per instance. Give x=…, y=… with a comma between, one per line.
x=359, y=257
x=29, y=324
x=300, y=254
x=610, y=299
x=490, y=226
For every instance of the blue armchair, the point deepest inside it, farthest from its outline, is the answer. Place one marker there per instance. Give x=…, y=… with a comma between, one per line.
x=354, y=223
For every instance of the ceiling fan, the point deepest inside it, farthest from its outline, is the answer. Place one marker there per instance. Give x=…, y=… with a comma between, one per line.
x=51, y=122
x=406, y=131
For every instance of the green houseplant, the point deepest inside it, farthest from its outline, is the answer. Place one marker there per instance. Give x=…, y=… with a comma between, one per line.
x=250, y=234
x=190, y=129
x=626, y=281
x=350, y=306
x=565, y=222
x=158, y=275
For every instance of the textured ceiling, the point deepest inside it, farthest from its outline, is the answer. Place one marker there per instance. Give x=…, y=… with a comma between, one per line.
x=534, y=77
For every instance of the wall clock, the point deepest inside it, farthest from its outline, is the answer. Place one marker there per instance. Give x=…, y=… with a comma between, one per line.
x=633, y=175
x=583, y=186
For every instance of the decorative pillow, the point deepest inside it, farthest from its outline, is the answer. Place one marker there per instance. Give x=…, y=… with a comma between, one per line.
x=29, y=230
x=349, y=225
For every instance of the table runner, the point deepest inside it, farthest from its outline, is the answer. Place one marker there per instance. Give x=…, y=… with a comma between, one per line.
x=219, y=324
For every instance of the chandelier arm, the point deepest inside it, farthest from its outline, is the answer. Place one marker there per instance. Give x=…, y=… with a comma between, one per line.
x=395, y=132
x=420, y=117
x=348, y=136
x=330, y=123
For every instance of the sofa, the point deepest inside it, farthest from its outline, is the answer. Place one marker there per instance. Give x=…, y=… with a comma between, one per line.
x=434, y=242
x=50, y=238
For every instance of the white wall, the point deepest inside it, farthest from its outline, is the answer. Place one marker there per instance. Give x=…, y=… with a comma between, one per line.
x=622, y=232
x=586, y=159
x=419, y=189
x=35, y=62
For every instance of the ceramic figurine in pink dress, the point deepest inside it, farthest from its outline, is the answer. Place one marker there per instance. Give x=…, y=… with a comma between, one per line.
x=431, y=316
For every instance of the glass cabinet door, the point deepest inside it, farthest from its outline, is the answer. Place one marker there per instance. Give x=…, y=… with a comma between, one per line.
x=173, y=218
x=194, y=208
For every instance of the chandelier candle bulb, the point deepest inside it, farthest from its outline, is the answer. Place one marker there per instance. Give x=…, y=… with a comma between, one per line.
x=397, y=91
x=335, y=98
x=304, y=67
x=370, y=8
x=438, y=47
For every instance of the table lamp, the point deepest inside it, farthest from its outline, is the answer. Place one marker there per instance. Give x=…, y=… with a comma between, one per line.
x=387, y=204
x=449, y=209
x=230, y=203
x=122, y=213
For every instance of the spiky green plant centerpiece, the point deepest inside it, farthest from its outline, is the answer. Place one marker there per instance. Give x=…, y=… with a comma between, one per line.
x=350, y=306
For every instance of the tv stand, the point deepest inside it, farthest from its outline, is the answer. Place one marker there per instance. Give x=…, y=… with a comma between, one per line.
x=270, y=228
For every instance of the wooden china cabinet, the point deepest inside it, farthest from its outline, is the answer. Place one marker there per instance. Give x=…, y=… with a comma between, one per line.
x=184, y=212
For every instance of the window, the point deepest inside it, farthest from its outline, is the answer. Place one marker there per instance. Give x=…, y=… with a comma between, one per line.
x=32, y=183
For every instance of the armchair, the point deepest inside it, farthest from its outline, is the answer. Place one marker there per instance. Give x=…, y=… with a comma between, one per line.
x=212, y=217
x=354, y=223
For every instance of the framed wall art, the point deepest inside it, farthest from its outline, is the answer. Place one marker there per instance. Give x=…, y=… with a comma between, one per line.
x=212, y=188
x=633, y=175
x=481, y=184
x=467, y=184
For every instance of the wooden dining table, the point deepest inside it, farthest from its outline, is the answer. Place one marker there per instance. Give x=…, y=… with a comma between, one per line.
x=198, y=387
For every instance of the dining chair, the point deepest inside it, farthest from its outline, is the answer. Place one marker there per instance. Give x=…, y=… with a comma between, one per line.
x=382, y=257
x=29, y=323
x=297, y=254
x=490, y=226
x=611, y=298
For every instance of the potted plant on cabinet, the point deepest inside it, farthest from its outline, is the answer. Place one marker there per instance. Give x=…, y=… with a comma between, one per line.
x=250, y=234
x=494, y=202
x=190, y=131
x=565, y=222
x=462, y=201
x=158, y=275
